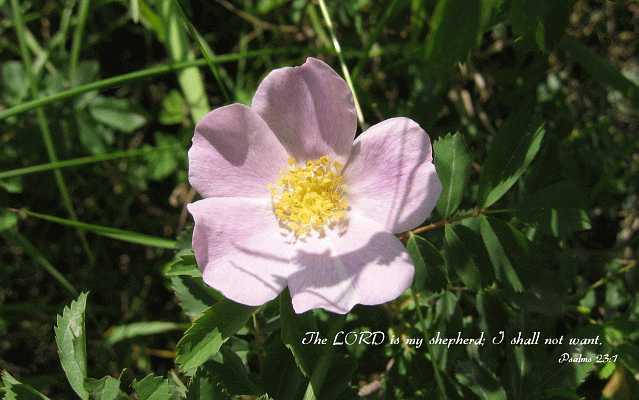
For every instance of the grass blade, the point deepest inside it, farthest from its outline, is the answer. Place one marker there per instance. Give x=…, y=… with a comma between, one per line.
x=150, y=72
x=338, y=50
x=84, y=160
x=83, y=11
x=39, y=258
x=113, y=233
x=43, y=123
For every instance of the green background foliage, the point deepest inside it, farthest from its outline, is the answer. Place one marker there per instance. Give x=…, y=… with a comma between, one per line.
x=533, y=111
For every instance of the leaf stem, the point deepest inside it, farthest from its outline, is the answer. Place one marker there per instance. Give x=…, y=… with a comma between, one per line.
x=83, y=12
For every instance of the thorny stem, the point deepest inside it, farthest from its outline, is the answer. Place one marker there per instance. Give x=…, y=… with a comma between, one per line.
x=441, y=223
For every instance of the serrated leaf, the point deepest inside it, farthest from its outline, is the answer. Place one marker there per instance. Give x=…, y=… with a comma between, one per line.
x=558, y=209
x=70, y=337
x=106, y=388
x=293, y=328
x=453, y=162
x=206, y=335
x=222, y=378
x=502, y=264
x=428, y=261
x=193, y=295
x=513, y=149
x=123, y=332
x=155, y=388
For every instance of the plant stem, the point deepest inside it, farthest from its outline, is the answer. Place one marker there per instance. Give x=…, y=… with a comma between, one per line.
x=320, y=371
x=338, y=50
x=83, y=12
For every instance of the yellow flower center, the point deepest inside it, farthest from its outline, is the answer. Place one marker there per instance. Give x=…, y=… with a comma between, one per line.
x=310, y=197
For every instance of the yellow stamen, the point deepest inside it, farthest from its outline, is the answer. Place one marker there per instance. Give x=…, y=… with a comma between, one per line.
x=310, y=197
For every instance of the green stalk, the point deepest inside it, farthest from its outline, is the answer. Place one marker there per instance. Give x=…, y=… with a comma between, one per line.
x=39, y=258
x=44, y=124
x=320, y=371
x=77, y=38
x=438, y=378
x=84, y=160
x=113, y=233
x=137, y=75
x=338, y=50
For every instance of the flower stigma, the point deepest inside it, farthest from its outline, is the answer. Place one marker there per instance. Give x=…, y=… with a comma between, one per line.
x=310, y=197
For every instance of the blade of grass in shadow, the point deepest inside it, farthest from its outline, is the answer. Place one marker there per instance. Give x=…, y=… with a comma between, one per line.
x=85, y=160
x=206, y=51
x=190, y=79
x=44, y=124
x=373, y=37
x=113, y=233
x=338, y=50
x=78, y=33
x=39, y=258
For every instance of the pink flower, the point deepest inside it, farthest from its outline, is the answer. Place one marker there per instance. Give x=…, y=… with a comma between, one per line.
x=290, y=200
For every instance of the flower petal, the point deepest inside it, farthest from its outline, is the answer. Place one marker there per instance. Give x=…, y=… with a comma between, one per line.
x=238, y=246
x=234, y=154
x=365, y=265
x=310, y=109
x=391, y=177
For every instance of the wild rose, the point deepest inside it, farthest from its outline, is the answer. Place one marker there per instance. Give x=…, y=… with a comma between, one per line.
x=290, y=200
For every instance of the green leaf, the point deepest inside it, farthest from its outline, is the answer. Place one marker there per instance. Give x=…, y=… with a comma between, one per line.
x=492, y=232
x=480, y=381
x=453, y=162
x=174, y=109
x=542, y=22
x=294, y=327
x=285, y=382
x=7, y=220
x=106, y=388
x=447, y=42
x=70, y=338
x=117, y=114
x=123, y=332
x=459, y=258
x=12, y=185
x=428, y=261
x=15, y=390
x=206, y=335
x=163, y=163
x=513, y=149
x=558, y=209
x=193, y=295
x=224, y=377
x=14, y=82
x=155, y=388
x=600, y=69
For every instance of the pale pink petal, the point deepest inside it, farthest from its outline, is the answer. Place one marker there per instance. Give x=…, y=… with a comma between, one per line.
x=365, y=265
x=238, y=246
x=390, y=176
x=310, y=109
x=234, y=154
